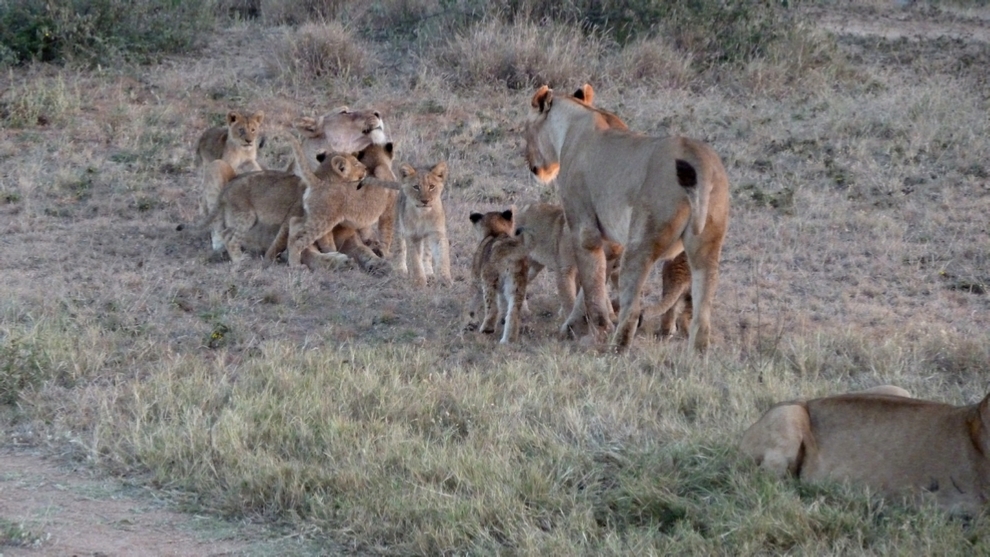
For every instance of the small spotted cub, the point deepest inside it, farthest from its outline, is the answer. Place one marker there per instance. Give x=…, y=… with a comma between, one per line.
x=499, y=272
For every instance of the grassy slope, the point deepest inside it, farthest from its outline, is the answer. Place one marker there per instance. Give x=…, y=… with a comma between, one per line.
x=350, y=405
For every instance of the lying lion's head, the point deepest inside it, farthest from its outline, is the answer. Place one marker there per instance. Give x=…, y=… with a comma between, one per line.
x=341, y=130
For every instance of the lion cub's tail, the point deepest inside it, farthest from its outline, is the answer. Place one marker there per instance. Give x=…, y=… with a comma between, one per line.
x=698, y=188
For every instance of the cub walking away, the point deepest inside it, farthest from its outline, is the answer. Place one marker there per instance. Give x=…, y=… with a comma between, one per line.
x=499, y=271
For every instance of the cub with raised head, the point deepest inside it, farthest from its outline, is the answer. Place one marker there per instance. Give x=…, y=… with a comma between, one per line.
x=498, y=270
x=421, y=219
x=325, y=200
x=883, y=440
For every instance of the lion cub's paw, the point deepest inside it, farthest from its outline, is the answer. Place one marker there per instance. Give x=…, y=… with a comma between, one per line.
x=379, y=268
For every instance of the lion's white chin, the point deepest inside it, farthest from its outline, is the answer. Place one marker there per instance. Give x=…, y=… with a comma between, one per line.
x=378, y=137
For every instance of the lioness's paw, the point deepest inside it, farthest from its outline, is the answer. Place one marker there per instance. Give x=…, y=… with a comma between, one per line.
x=379, y=268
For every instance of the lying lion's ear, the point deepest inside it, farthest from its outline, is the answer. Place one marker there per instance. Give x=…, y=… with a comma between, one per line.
x=543, y=98
x=407, y=170
x=310, y=127
x=475, y=217
x=440, y=170
x=585, y=94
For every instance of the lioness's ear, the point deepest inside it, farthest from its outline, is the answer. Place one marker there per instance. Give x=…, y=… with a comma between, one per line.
x=440, y=170
x=585, y=94
x=232, y=117
x=407, y=170
x=543, y=98
x=507, y=214
x=320, y=157
x=475, y=217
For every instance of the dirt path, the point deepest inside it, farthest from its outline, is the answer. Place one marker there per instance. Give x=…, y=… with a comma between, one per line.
x=47, y=509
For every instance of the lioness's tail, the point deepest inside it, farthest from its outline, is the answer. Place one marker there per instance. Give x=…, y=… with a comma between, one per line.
x=698, y=186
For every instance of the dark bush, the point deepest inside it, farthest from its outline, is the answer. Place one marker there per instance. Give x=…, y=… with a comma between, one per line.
x=100, y=31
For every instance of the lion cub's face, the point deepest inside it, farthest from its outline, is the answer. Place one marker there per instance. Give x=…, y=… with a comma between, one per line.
x=244, y=128
x=492, y=223
x=423, y=186
x=378, y=160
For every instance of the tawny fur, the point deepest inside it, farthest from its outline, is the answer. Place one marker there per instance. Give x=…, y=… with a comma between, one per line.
x=499, y=272
x=553, y=249
x=663, y=196
x=421, y=222
x=223, y=152
x=255, y=209
x=325, y=199
x=883, y=440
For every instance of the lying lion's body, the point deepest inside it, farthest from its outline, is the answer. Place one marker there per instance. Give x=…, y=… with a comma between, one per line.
x=499, y=270
x=655, y=196
x=889, y=443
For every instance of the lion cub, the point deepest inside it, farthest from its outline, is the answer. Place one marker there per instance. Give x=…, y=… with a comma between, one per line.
x=223, y=152
x=553, y=249
x=421, y=219
x=499, y=271
x=324, y=200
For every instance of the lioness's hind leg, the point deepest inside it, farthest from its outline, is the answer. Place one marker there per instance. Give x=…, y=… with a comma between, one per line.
x=780, y=440
x=704, y=277
x=637, y=260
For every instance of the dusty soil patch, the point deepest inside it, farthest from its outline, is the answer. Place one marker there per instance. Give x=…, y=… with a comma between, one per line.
x=50, y=509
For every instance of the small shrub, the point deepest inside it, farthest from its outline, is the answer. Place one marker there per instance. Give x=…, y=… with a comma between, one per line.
x=521, y=55
x=653, y=62
x=296, y=12
x=323, y=51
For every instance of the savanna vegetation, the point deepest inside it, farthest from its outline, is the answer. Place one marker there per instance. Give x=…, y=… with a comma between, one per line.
x=341, y=406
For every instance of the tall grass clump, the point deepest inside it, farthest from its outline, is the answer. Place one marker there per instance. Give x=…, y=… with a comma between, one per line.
x=520, y=55
x=320, y=51
x=100, y=31
x=38, y=101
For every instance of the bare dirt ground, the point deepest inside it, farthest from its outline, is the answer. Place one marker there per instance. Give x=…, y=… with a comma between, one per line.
x=64, y=510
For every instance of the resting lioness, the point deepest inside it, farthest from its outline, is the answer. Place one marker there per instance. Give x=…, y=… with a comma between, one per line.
x=893, y=444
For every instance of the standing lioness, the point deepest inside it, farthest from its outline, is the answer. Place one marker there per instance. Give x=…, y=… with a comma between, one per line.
x=655, y=196
x=892, y=444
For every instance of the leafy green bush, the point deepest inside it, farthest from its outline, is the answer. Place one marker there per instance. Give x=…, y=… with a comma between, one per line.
x=99, y=31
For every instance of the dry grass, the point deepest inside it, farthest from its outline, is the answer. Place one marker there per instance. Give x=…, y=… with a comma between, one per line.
x=348, y=406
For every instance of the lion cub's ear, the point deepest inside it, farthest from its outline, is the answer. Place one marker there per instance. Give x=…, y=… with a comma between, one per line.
x=440, y=170
x=388, y=149
x=258, y=117
x=543, y=98
x=475, y=217
x=407, y=170
x=507, y=215
x=585, y=94
x=233, y=116
x=341, y=165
